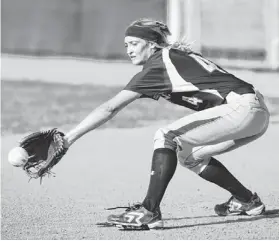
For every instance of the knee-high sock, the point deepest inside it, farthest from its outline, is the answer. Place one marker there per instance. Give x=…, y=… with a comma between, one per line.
x=217, y=173
x=164, y=162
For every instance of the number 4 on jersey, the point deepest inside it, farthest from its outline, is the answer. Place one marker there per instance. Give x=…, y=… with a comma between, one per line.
x=206, y=64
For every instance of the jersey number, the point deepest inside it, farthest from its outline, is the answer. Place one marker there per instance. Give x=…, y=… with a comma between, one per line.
x=192, y=100
x=207, y=64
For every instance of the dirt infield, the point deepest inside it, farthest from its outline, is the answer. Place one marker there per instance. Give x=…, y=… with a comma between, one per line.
x=106, y=169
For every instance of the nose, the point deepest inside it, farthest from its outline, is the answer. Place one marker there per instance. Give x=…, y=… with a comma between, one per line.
x=129, y=51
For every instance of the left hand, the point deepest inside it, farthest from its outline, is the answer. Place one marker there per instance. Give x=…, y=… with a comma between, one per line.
x=45, y=150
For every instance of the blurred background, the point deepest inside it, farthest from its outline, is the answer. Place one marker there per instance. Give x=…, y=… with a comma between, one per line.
x=87, y=28
x=244, y=32
x=48, y=46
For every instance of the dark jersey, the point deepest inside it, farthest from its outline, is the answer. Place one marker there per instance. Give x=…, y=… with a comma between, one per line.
x=186, y=79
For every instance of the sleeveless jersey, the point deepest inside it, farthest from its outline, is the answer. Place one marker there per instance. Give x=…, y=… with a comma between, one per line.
x=186, y=79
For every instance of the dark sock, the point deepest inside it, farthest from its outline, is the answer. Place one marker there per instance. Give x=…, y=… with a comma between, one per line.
x=164, y=162
x=217, y=173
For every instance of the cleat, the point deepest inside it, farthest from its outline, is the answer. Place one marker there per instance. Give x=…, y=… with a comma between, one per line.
x=105, y=225
x=235, y=207
x=137, y=217
x=132, y=228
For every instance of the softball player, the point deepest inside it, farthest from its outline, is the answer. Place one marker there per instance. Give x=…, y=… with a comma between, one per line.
x=229, y=114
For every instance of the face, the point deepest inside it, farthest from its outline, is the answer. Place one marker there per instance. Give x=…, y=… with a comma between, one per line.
x=139, y=50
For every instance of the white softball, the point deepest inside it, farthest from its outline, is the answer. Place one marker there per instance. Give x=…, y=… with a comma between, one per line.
x=18, y=156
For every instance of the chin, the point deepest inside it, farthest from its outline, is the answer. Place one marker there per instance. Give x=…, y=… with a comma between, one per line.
x=136, y=62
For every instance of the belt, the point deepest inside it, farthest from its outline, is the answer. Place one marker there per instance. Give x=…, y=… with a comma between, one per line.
x=232, y=96
x=235, y=94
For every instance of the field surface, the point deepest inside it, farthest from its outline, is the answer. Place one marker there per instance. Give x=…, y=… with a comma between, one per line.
x=110, y=167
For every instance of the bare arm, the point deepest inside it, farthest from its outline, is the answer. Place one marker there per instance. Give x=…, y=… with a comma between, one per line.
x=101, y=115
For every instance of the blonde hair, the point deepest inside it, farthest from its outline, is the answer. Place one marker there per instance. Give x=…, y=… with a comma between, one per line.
x=162, y=29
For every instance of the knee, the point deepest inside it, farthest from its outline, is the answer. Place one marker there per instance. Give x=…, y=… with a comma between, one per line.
x=195, y=165
x=189, y=161
x=164, y=138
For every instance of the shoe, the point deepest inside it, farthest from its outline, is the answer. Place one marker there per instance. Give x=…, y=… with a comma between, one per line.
x=235, y=207
x=137, y=217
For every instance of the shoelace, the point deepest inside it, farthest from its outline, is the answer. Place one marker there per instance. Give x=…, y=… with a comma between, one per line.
x=135, y=206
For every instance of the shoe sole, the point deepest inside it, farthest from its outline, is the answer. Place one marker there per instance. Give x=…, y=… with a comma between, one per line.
x=156, y=225
x=256, y=211
x=124, y=226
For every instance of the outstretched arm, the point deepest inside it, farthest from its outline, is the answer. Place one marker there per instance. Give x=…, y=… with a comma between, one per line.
x=101, y=115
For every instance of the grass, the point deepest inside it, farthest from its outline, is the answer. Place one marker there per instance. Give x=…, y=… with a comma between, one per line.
x=29, y=106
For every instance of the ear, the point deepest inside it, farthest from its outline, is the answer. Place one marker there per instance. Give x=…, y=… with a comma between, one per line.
x=152, y=45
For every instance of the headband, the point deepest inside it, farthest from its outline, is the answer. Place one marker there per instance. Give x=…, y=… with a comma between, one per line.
x=144, y=33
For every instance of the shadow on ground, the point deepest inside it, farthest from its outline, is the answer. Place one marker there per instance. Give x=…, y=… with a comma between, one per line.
x=268, y=214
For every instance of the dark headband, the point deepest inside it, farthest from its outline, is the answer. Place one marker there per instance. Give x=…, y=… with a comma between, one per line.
x=144, y=33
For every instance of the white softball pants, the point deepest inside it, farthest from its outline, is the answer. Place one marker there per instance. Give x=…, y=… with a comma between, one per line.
x=199, y=136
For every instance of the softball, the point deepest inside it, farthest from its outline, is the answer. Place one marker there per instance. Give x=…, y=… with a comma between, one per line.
x=18, y=156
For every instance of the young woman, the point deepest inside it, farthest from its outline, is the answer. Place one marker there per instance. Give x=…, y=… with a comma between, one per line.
x=229, y=114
